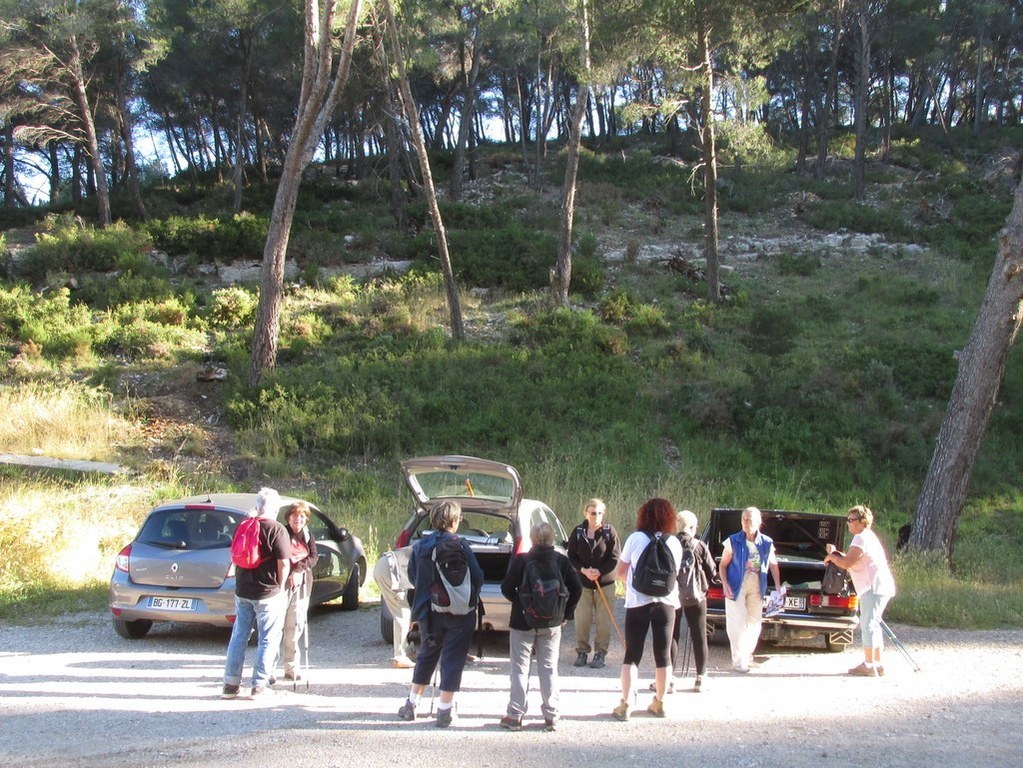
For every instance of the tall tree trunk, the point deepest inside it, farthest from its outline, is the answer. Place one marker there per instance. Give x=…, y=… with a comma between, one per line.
x=238, y=175
x=860, y=100
x=561, y=275
x=416, y=131
x=978, y=86
x=125, y=125
x=981, y=369
x=321, y=89
x=9, y=164
x=827, y=114
x=468, y=113
x=53, y=152
x=710, y=169
x=91, y=139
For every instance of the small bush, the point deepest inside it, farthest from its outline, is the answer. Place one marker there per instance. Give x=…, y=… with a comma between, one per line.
x=798, y=264
x=73, y=246
x=227, y=238
x=231, y=308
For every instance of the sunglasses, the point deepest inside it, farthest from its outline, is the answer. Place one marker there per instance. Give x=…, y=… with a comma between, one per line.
x=854, y=519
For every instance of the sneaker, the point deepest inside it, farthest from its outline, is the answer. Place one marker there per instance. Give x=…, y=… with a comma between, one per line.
x=402, y=662
x=510, y=723
x=669, y=689
x=259, y=692
x=621, y=712
x=656, y=708
x=880, y=670
x=272, y=681
x=598, y=660
x=580, y=660
x=230, y=692
x=445, y=717
x=550, y=725
x=864, y=671
x=698, y=683
x=407, y=711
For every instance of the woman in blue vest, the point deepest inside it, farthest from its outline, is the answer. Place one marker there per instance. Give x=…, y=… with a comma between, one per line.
x=745, y=560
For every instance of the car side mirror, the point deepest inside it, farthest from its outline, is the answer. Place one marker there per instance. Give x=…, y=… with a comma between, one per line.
x=343, y=534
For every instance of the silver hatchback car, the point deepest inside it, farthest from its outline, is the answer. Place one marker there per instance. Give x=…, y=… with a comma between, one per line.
x=178, y=568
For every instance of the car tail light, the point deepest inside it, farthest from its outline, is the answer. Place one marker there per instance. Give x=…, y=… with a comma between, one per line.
x=123, y=559
x=115, y=611
x=849, y=602
x=231, y=618
x=403, y=539
x=230, y=571
x=716, y=593
x=522, y=545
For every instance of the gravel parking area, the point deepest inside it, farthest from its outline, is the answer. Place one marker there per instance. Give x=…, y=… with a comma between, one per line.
x=74, y=693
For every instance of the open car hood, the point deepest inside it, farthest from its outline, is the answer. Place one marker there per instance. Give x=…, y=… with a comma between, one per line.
x=472, y=482
x=797, y=535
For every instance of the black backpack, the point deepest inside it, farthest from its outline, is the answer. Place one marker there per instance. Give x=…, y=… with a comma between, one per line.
x=655, y=573
x=542, y=594
x=690, y=587
x=451, y=590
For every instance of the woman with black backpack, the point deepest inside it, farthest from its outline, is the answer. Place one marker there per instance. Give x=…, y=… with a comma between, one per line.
x=695, y=574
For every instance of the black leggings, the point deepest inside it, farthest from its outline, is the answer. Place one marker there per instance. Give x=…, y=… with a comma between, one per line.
x=657, y=617
x=696, y=619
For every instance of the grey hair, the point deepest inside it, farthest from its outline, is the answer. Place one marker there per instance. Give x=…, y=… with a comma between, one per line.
x=687, y=520
x=542, y=535
x=754, y=514
x=446, y=516
x=268, y=502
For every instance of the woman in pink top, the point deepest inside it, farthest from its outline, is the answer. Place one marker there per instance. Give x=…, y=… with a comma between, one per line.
x=875, y=586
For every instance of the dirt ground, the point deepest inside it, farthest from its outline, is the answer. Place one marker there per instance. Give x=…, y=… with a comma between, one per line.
x=73, y=693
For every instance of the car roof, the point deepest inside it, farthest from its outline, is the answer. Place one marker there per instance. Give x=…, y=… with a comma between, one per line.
x=241, y=502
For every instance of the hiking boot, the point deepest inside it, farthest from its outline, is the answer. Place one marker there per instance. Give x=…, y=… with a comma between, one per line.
x=621, y=712
x=656, y=708
x=510, y=723
x=580, y=660
x=445, y=717
x=230, y=692
x=670, y=688
x=407, y=711
x=864, y=671
x=598, y=660
x=550, y=725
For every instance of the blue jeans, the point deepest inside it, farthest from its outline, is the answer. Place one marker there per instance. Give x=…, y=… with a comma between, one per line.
x=267, y=618
x=548, y=645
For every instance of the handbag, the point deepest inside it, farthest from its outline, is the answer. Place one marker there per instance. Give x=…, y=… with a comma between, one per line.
x=835, y=581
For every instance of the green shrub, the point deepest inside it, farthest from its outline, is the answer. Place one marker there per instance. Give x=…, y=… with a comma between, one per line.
x=798, y=264
x=73, y=246
x=50, y=324
x=231, y=308
x=226, y=238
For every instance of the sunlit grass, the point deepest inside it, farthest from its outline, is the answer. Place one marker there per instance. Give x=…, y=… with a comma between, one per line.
x=69, y=421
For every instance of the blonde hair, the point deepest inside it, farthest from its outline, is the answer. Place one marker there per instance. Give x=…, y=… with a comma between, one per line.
x=863, y=513
x=446, y=516
x=596, y=503
x=687, y=520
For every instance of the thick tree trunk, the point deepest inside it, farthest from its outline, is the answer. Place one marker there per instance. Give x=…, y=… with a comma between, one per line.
x=91, y=139
x=321, y=90
x=981, y=368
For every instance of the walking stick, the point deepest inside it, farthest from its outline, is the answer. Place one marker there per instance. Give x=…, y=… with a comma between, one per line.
x=898, y=644
x=610, y=613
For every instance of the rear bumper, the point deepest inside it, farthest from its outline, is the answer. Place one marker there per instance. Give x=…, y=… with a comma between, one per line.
x=797, y=622
x=130, y=602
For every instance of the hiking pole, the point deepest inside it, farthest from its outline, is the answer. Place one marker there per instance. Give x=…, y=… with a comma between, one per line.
x=610, y=613
x=686, y=650
x=898, y=644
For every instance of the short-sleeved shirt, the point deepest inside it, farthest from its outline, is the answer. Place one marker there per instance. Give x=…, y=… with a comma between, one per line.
x=871, y=571
x=261, y=582
x=633, y=548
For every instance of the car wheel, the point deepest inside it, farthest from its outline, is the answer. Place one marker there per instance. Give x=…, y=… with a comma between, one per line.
x=836, y=642
x=132, y=630
x=350, y=597
x=386, y=625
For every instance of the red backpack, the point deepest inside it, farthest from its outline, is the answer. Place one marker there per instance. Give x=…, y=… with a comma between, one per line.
x=245, y=549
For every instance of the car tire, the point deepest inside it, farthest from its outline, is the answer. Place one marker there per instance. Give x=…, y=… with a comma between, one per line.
x=386, y=625
x=132, y=630
x=836, y=642
x=350, y=597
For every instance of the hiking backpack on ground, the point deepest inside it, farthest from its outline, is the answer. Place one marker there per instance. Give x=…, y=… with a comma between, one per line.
x=245, y=550
x=691, y=590
x=451, y=590
x=543, y=595
x=655, y=572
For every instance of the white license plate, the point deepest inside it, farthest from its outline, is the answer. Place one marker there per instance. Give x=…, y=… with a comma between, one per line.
x=795, y=603
x=172, y=603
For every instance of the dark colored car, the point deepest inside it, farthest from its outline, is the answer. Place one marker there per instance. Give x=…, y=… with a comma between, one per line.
x=178, y=568
x=799, y=540
x=496, y=520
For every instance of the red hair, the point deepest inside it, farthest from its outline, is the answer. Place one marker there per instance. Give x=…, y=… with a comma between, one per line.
x=656, y=516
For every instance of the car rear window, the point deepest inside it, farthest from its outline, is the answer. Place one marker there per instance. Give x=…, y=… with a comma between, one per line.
x=444, y=484
x=190, y=528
